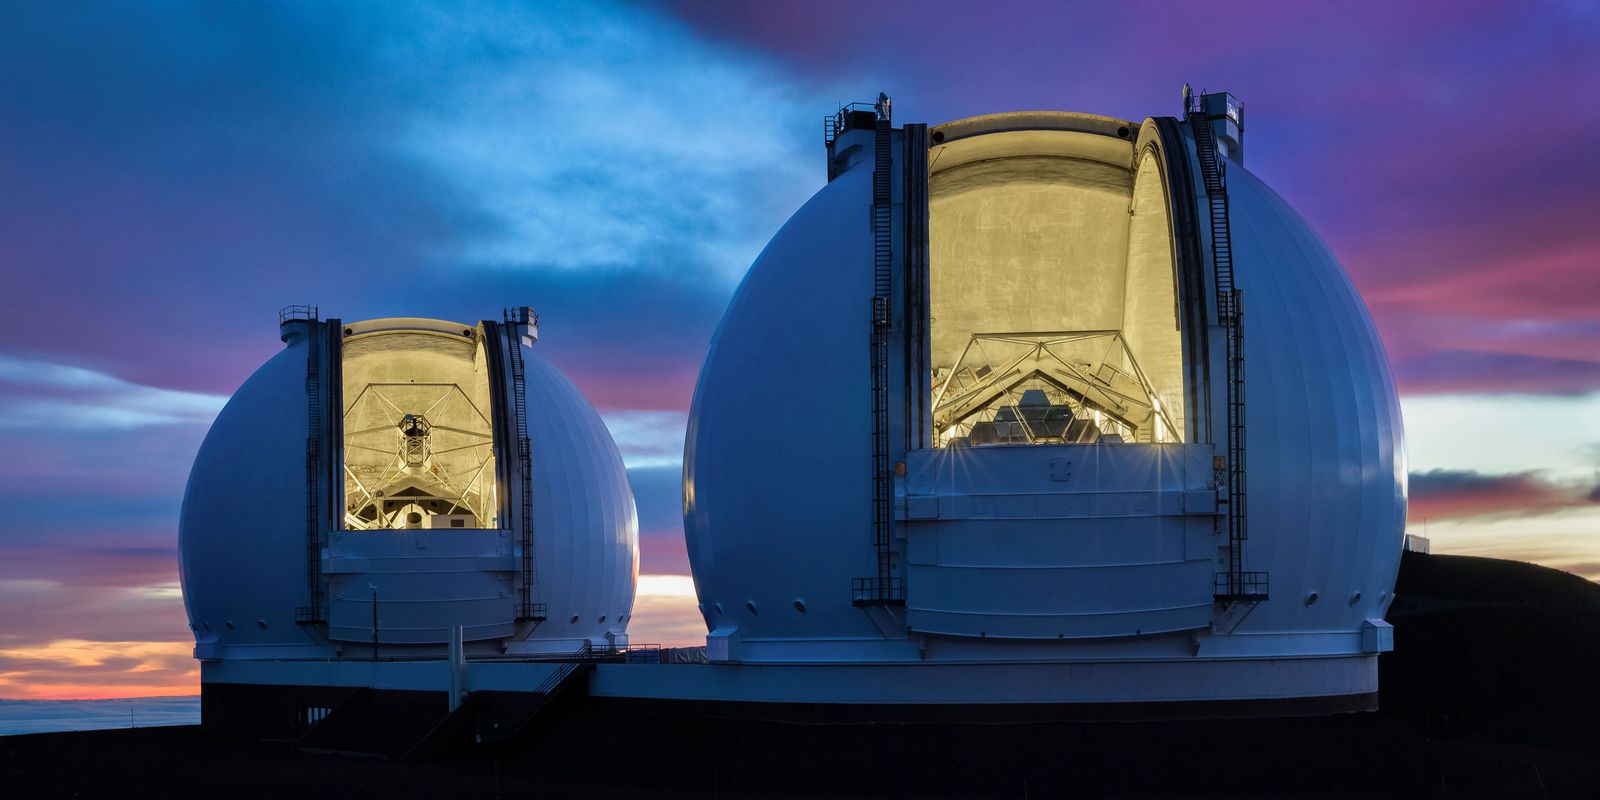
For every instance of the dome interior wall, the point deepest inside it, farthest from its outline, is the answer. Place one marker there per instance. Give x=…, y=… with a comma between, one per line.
x=418, y=442
x=1051, y=274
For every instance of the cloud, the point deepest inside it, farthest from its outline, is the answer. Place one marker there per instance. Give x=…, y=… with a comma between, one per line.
x=632, y=341
x=42, y=609
x=648, y=439
x=1446, y=494
x=203, y=166
x=42, y=394
x=92, y=564
x=603, y=138
x=659, y=494
x=180, y=169
x=1504, y=433
x=72, y=639
x=1456, y=371
x=1448, y=240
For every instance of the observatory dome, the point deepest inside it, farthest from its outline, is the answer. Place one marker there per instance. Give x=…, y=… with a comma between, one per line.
x=376, y=484
x=983, y=399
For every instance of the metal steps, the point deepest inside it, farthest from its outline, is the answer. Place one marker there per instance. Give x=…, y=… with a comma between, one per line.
x=498, y=718
x=400, y=725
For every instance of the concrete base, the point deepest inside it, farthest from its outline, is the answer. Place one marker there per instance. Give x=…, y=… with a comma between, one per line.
x=1155, y=690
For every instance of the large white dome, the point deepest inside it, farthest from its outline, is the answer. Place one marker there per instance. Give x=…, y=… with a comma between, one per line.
x=1043, y=470
x=410, y=488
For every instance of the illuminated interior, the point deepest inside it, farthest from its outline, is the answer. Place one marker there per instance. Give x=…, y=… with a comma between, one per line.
x=418, y=441
x=1053, y=312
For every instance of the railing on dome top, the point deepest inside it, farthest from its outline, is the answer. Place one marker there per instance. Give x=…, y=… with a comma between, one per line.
x=293, y=313
x=850, y=117
x=840, y=121
x=1236, y=584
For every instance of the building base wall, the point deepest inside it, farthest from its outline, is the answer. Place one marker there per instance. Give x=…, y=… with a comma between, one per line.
x=264, y=711
x=1222, y=681
x=281, y=699
x=1002, y=713
x=286, y=713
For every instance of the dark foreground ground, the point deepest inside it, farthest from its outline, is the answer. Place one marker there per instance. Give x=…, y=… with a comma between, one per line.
x=1492, y=693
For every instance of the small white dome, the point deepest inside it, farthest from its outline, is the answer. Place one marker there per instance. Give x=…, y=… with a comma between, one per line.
x=426, y=510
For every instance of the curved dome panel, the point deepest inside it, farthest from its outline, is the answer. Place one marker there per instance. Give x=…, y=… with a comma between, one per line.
x=590, y=562
x=1326, y=455
x=776, y=458
x=241, y=533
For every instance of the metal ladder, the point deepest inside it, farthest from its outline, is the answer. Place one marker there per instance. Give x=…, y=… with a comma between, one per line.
x=884, y=587
x=1236, y=584
x=312, y=613
x=527, y=609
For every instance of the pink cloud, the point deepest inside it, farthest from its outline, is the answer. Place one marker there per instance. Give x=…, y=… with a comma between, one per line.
x=1453, y=494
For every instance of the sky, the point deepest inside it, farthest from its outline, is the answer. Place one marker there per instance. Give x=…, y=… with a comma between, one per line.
x=172, y=173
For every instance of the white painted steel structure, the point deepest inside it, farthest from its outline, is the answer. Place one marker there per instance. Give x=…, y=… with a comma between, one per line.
x=1097, y=550
x=320, y=500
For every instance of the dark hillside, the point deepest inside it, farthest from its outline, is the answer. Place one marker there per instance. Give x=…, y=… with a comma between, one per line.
x=1468, y=579
x=1495, y=650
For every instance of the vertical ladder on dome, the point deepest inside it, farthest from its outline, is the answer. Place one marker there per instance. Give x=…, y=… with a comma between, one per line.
x=311, y=614
x=527, y=609
x=1236, y=584
x=883, y=588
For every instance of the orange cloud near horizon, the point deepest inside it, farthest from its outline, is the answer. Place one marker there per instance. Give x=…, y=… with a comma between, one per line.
x=665, y=612
x=79, y=669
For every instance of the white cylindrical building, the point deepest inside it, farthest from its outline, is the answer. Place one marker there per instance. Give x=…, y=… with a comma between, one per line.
x=977, y=427
x=377, y=485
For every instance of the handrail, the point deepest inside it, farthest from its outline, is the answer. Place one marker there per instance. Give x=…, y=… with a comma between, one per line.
x=579, y=657
x=834, y=124
x=295, y=313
